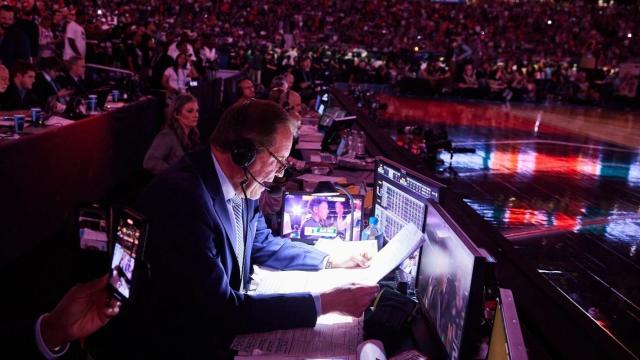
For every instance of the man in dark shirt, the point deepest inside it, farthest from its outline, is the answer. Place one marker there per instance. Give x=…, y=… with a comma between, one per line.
x=14, y=44
x=47, y=88
x=305, y=80
x=74, y=79
x=26, y=23
x=19, y=95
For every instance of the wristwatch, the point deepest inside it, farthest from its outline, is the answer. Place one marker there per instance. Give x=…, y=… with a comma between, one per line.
x=329, y=264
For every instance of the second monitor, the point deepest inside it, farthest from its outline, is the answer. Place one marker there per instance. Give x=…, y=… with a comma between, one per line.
x=308, y=217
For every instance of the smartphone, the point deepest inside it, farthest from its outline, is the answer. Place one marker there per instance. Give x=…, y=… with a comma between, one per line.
x=193, y=83
x=129, y=233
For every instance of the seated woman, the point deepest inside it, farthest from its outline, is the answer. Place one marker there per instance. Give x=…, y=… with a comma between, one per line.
x=179, y=135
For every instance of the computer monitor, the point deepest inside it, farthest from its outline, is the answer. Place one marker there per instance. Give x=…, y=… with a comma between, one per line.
x=506, y=342
x=450, y=283
x=308, y=217
x=400, y=196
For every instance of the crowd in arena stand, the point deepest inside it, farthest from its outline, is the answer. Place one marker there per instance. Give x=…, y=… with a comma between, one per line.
x=575, y=51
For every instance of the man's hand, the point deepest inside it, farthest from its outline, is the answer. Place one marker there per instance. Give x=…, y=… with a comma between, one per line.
x=350, y=260
x=65, y=92
x=349, y=300
x=83, y=310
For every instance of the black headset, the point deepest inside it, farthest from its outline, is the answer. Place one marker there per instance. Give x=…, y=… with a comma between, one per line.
x=244, y=150
x=243, y=153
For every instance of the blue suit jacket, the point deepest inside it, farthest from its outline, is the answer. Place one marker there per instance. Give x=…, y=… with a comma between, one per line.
x=190, y=303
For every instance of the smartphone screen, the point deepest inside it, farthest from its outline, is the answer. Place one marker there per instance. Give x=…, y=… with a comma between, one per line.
x=128, y=235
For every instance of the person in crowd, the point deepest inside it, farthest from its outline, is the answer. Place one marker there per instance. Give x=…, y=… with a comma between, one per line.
x=279, y=85
x=179, y=135
x=305, y=80
x=58, y=25
x=19, y=95
x=134, y=53
x=181, y=47
x=246, y=91
x=47, y=88
x=4, y=80
x=46, y=39
x=25, y=21
x=175, y=78
x=205, y=233
x=75, y=80
x=160, y=62
x=498, y=84
x=14, y=44
x=75, y=39
x=468, y=82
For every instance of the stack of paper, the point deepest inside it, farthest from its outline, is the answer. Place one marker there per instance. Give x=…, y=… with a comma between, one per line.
x=334, y=336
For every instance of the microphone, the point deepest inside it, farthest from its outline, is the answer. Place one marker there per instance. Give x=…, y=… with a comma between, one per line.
x=271, y=188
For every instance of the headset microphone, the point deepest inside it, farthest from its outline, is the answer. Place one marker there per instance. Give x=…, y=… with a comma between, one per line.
x=271, y=188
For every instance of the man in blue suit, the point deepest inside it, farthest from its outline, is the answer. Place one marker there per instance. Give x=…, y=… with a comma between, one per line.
x=200, y=250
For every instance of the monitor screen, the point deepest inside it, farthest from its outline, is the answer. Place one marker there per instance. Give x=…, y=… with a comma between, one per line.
x=309, y=217
x=401, y=196
x=449, y=281
x=506, y=337
x=322, y=101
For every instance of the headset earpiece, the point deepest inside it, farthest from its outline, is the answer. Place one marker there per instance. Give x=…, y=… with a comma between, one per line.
x=243, y=153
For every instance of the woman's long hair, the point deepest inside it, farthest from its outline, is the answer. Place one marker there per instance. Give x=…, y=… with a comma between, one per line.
x=190, y=140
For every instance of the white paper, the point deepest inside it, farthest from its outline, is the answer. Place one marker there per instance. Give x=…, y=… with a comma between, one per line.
x=285, y=282
x=332, y=339
x=315, y=137
x=405, y=243
x=338, y=246
x=334, y=335
x=371, y=350
x=59, y=121
x=309, y=145
x=308, y=129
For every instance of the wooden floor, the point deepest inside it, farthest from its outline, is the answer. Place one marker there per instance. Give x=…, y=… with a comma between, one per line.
x=562, y=182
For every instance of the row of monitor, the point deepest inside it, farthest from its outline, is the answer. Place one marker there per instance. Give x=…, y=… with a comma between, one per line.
x=448, y=271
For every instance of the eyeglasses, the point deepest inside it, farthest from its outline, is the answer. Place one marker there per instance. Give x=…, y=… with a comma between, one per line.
x=283, y=164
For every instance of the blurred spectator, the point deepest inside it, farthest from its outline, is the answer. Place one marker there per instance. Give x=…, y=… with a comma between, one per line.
x=175, y=77
x=74, y=36
x=179, y=135
x=4, y=80
x=46, y=39
x=75, y=80
x=26, y=23
x=305, y=79
x=468, y=83
x=19, y=94
x=46, y=87
x=14, y=44
x=246, y=91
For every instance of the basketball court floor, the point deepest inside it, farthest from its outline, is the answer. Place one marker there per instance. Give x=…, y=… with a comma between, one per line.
x=561, y=182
